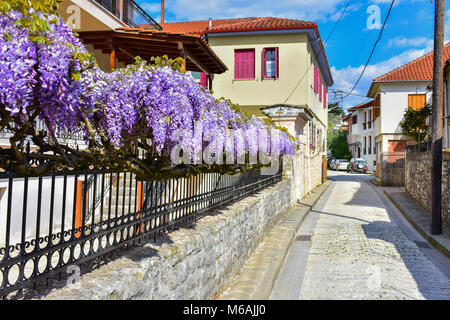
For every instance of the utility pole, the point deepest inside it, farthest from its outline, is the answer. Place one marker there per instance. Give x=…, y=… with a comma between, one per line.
x=438, y=105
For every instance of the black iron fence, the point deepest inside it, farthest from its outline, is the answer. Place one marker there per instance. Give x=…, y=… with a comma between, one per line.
x=71, y=218
x=422, y=147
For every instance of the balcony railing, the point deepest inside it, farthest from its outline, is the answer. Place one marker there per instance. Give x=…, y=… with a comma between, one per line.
x=129, y=12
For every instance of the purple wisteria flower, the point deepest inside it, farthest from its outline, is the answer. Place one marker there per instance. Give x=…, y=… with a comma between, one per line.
x=138, y=100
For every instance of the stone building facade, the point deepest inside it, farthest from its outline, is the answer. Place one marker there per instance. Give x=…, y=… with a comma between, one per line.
x=310, y=135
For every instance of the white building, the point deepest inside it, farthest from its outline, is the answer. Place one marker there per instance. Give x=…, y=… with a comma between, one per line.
x=406, y=86
x=363, y=133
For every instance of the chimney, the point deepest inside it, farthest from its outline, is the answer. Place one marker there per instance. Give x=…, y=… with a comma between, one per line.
x=162, y=14
x=210, y=22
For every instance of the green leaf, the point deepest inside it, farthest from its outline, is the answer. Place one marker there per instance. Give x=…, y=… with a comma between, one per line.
x=167, y=119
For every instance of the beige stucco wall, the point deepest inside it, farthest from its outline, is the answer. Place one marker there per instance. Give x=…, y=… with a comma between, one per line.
x=103, y=59
x=87, y=15
x=295, y=57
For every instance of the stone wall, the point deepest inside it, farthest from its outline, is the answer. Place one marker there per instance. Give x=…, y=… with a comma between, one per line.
x=418, y=181
x=316, y=170
x=190, y=263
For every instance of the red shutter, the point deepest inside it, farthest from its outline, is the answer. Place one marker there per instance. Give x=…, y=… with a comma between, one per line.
x=277, y=64
x=237, y=65
x=263, y=61
x=203, y=79
x=244, y=64
x=251, y=64
x=320, y=89
x=316, y=82
x=325, y=91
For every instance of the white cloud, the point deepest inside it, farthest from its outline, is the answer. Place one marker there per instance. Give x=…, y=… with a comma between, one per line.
x=313, y=10
x=345, y=78
x=151, y=8
x=410, y=42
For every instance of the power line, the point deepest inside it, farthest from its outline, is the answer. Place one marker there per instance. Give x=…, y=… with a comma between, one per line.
x=349, y=93
x=329, y=36
x=373, y=49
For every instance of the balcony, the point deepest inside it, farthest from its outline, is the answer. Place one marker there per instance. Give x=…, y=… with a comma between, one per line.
x=129, y=12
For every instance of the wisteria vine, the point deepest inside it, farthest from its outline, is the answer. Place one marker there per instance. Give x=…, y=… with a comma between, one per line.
x=128, y=117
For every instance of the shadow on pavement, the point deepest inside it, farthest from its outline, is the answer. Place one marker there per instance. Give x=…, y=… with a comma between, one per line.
x=427, y=282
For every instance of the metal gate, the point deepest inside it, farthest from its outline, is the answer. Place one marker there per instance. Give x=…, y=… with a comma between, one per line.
x=392, y=168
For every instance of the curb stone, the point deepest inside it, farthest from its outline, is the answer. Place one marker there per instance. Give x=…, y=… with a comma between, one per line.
x=257, y=277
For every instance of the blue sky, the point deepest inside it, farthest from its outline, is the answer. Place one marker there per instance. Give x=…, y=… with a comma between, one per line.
x=408, y=33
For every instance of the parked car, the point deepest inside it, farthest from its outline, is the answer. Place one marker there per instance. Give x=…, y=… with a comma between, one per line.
x=329, y=160
x=340, y=164
x=357, y=165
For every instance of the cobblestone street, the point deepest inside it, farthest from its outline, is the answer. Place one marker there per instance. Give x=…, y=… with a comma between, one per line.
x=361, y=249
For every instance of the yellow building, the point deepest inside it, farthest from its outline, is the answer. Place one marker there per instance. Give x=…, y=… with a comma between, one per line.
x=277, y=68
x=270, y=61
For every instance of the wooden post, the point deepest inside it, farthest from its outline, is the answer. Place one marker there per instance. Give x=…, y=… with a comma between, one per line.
x=112, y=60
x=438, y=104
x=139, y=204
x=162, y=14
x=121, y=9
x=79, y=208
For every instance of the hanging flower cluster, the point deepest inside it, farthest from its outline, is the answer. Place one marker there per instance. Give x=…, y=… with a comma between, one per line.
x=47, y=75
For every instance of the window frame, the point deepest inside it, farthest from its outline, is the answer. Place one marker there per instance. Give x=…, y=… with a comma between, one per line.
x=264, y=60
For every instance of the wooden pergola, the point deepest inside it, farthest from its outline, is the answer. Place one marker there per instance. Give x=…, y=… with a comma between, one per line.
x=127, y=43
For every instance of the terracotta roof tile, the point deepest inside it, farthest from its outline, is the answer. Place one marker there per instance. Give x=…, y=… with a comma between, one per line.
x=416, y=70
x=236, y=25
x=362, y=106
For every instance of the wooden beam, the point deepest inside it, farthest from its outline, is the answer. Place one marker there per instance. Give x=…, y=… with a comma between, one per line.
x=188, y=54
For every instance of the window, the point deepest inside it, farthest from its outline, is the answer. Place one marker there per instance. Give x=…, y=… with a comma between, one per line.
x=365, y=144
x=365, y=120
x=355, y=119
x=244, y=64
x=417, y=101
x=196, y=75
x=270, y=63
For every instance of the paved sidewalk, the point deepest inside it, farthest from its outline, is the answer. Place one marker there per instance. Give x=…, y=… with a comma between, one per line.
x=258, y=275
x=360, y=251
x=419, y=218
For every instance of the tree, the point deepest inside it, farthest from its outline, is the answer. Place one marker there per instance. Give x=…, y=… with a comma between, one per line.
x=335, y=109
x=338, y=144
x=414, y=123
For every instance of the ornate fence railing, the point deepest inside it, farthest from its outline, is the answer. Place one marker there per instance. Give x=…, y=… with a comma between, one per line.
x=129, y=12
x=50, y=223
